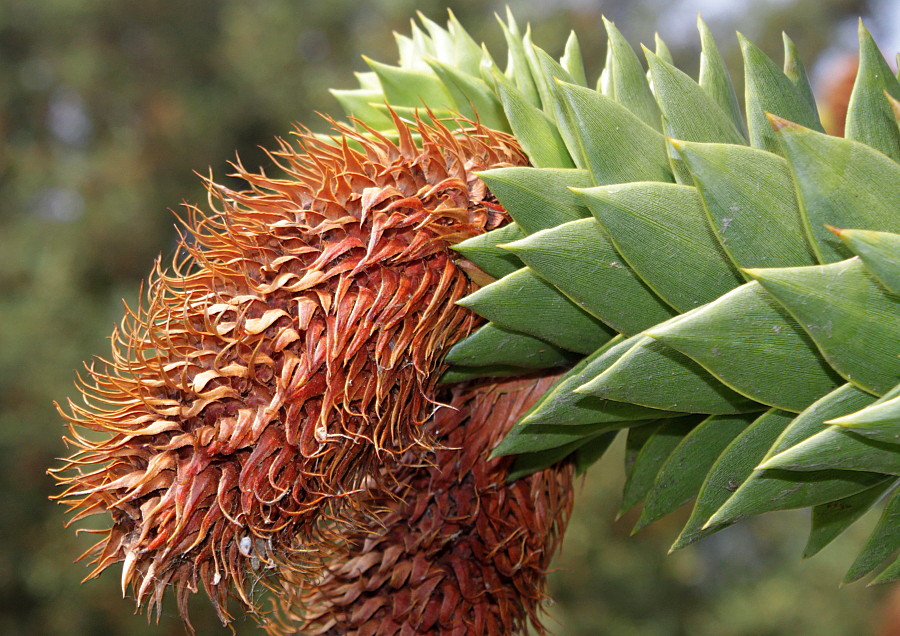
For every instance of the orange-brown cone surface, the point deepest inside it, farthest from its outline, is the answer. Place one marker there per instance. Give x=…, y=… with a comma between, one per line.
x=294, y=345
x=458, y=550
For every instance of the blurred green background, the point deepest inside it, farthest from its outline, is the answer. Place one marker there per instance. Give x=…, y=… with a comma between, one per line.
x=107, y=109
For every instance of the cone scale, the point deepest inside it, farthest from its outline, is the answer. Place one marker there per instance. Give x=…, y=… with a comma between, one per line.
x=293, y=346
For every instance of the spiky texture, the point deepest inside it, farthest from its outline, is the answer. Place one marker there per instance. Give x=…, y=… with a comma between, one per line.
x=456, y=550
x=296, y=340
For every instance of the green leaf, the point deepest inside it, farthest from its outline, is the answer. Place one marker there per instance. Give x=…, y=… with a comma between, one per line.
x=368, y=81
x=883, y=542
x=890, y=574
x=750, y=343
x=681, y=476
x=559, y=405
x=617, y=145
x=475, y=98
x=651, y=458
x=492, y=345
x=358, y=103
x=546, y=71
x=511, y=301
x=879, y=251
x=690, y=113
x=769, y=90
x=733, y=466
x=715, y=79
x=467, y=52
x=653, y=375
x=796, y=72
x=464, y=374
x=870, y=118
x=880, y=420
x=852, y=320
x=534, y=131
x=768, y=490
x=662, y=232
x=538, y=198
x=535, y=439
x=413, y=50
x=661, y=49
x=442, y=44
x=414, y=89
x=580, y=261
x=635, y=438
x=628, y=79
x=839, y=448
x=529, y=463
x=840, y=183
x=517, y=69
x=843, y=400
x=829, y=520
x=748, y=195
x=482, y=250
x=572, y=61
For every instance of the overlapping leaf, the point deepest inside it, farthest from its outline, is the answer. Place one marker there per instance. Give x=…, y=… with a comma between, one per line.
x=755, y=287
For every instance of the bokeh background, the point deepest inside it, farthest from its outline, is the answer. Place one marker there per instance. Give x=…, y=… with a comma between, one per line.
x=106, y=111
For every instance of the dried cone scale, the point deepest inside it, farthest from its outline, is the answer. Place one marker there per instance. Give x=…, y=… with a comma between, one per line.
x=457, y=550
x=292, y=348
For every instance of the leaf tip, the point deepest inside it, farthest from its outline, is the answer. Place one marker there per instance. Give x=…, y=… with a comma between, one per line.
x=677, y=144
x=780, y=123
x=838, y=232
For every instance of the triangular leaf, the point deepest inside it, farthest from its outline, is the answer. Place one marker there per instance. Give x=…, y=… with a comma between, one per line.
x=656, y=376
x=749, y=197
x=492, y=345
x=617, y=145
x=829, y=520
x=883, y=542
x=662, y=231
x=535, y=132
x=629, y=80
x=870, y=118
x=559, y=405
x=482, y=250
x=682, y=475
x=733, y=466
x=652, y=456
x=510, y=303
x=414, y=89
x=579, y=259
x=769, y=90
x=538, y=199
x=847, y=313
x=879, y=251
x=750, y=343
x=839, y=448
x=840, y=183
x=715, y=79
x=571, y=60
x=690, y=113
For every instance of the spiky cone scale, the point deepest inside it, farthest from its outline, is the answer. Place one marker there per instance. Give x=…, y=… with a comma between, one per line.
x=293, y=346
x=457, y=550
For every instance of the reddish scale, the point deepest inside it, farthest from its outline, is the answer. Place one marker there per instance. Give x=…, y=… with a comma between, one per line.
x=456, y=549
x=291, y=350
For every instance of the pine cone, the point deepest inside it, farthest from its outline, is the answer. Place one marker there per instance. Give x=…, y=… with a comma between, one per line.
x=456, y=550
x=293, y=347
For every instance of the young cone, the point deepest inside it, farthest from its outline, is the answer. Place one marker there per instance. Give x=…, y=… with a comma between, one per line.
x=456, y=550
x=294, y=345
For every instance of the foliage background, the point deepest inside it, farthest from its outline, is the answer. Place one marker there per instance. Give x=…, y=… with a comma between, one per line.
x=106, y=109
